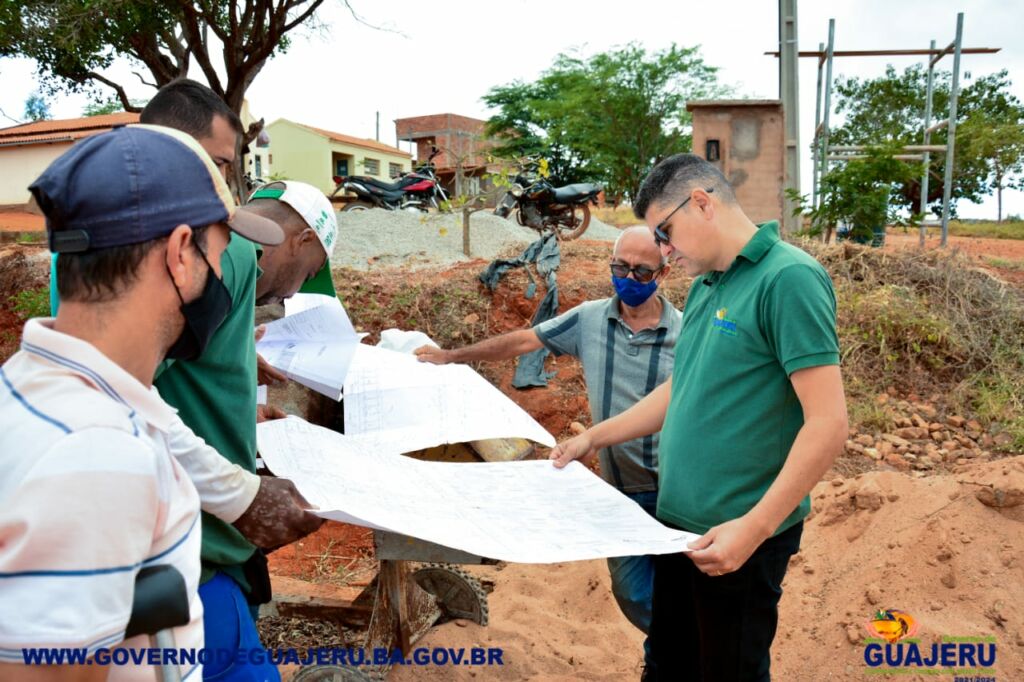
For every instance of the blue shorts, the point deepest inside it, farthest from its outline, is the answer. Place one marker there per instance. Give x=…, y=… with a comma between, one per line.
x=228, y=624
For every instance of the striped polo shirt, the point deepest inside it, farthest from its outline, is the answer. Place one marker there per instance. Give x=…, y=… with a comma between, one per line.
x=620, y=367
x=89, y=494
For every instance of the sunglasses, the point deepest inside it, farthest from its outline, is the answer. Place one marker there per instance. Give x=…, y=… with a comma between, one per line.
x=660, y=235
x=641, y=273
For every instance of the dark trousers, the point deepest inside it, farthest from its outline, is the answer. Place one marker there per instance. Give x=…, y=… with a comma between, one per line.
x=718, y=629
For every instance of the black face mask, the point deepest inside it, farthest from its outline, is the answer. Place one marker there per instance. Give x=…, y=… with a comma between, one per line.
x=202, y=316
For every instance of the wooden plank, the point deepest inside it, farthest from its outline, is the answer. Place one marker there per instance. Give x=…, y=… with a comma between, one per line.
x=299, y=598
x=502, y=449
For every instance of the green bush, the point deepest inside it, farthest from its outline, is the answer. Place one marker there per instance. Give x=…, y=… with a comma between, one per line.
x=32, y=303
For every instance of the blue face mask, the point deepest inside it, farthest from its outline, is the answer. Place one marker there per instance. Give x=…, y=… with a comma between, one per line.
x=632, y=292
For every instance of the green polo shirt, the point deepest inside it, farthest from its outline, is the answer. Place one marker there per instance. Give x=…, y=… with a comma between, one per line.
x=216, y=397
x=733, y=414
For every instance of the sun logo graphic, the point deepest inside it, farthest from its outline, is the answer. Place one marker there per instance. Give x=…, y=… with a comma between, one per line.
x=722, y=324
x=892, y=625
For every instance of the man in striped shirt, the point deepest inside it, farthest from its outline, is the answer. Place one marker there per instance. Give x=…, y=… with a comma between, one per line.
x=91, y=482
x=626, y=345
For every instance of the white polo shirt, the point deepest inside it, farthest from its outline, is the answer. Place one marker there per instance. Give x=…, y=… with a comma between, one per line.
x=89, y=494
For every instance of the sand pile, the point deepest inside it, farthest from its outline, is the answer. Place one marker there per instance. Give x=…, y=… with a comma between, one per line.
x=553, y=622
x=947, y=549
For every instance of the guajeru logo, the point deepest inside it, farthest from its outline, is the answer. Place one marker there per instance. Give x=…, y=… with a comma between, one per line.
x=894, y=626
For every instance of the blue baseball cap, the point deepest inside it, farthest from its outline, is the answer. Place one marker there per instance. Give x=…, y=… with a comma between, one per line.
x=135, y=184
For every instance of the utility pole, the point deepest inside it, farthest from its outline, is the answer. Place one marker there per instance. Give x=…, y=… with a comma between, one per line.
x=789, y=93
x=954, y=94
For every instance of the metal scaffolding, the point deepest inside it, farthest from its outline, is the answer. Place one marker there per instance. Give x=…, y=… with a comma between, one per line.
x=823, y=152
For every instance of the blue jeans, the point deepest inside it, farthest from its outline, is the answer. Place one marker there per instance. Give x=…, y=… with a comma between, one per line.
x=633, y=577
x=229, y=626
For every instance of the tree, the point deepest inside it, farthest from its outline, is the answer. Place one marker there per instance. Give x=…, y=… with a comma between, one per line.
x=74, y=41
x=858, y=193
x=110, y=105
x=527, y=127
x=36, y=108
x=610, y=117
x=889, y=110
x=998, y=138
x=102, y=107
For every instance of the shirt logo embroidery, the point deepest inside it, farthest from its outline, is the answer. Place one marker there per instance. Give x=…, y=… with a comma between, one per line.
x=723, y=324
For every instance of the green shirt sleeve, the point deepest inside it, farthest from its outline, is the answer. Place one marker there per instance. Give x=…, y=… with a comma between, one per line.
x=800, y=318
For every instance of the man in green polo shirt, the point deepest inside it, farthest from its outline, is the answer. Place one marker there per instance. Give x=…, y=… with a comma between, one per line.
x=752, y=417
x=216, y=396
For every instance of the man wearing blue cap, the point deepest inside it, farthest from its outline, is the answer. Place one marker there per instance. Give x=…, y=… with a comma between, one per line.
x=91, y=488
x=215, y=395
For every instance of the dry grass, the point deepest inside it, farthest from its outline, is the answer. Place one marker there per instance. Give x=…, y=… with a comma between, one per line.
x=929, y=322
x=993, y=230
x=621, y=216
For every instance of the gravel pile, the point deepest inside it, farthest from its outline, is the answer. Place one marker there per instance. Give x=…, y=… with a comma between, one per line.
x=376, y=238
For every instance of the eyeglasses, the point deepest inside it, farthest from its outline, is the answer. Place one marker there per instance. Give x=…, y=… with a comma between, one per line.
x=660, y=235
x=641, y=273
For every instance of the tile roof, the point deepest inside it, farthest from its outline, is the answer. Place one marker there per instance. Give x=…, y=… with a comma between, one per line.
x=64, y=130
x=357, y=141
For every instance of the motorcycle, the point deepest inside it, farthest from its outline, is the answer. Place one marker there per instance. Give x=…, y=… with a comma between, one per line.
x=415, y=191
x=252, y=183
x=542, y=206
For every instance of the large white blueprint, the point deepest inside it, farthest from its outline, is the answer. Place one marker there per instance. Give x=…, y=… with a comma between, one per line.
x=526, y=512
x=314, y=347
x=300, y=302
x=395, y=403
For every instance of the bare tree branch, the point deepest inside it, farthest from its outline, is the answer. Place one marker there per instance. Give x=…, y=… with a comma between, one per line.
x=194, y=36
x=4, y=114
x=348, y=6
x=305, y=15
x=174, y=44
x=121, y=94
x=144, y=81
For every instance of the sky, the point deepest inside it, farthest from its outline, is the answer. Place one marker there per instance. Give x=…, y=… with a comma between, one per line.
x=442, y=56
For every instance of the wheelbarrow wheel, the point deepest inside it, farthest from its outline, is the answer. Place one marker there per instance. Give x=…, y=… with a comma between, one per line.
x=458, y=594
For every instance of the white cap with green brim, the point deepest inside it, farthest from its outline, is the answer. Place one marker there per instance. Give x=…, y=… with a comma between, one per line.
x=316, y=210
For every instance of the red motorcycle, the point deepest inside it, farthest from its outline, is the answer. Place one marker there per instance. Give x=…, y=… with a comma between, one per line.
x=415, y=191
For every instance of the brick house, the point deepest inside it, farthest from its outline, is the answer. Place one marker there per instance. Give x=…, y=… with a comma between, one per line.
x=462, y=142
x=745, y=140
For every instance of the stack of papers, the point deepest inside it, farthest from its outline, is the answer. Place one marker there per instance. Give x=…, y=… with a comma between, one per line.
x=393, y=402
x=527, y=512
x=313, y=346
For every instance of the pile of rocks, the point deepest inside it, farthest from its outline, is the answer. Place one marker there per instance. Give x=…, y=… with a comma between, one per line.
x=923, y=440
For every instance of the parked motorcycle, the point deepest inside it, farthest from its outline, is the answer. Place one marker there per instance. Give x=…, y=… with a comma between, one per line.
x=415, y=191
x=542, y=206
x=252, y=183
